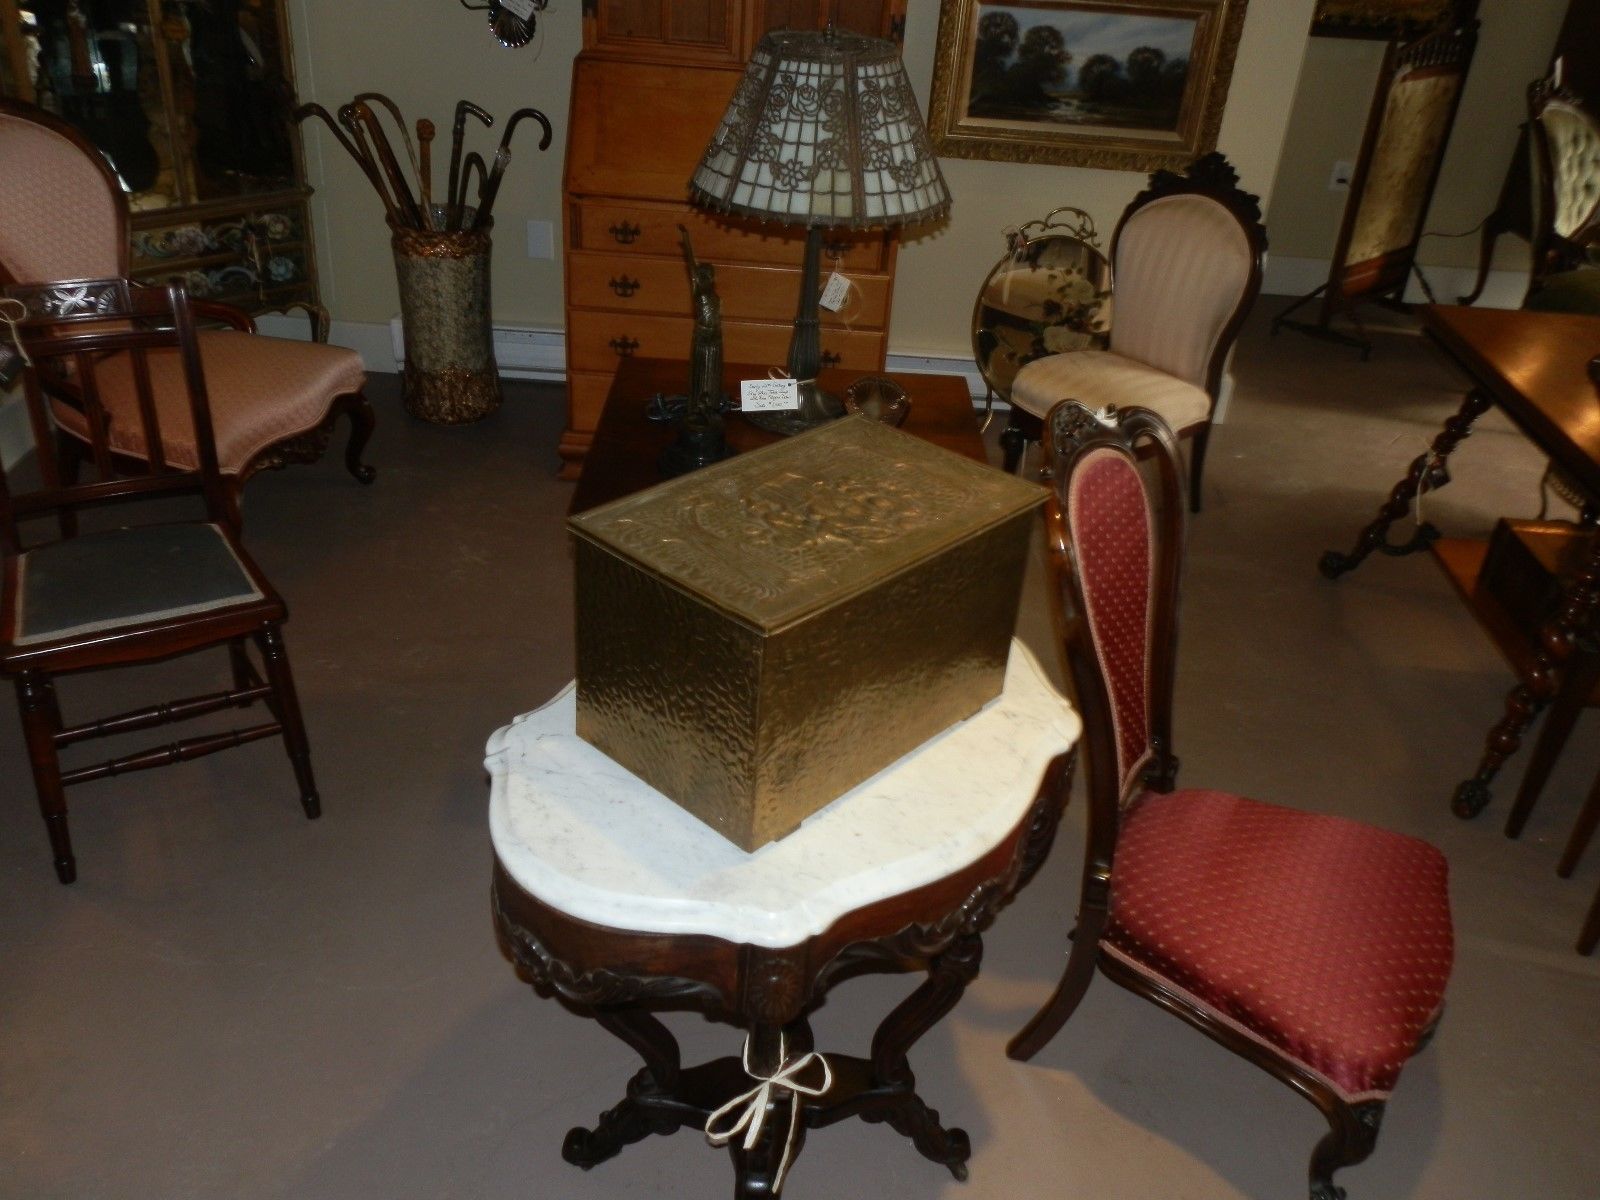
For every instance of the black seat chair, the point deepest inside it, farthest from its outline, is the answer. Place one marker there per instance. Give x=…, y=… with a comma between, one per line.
x=132, y=593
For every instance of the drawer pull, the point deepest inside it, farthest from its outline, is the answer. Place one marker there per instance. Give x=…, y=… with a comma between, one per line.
x=836, y=247
x=624, y=287
x=624, y=346
x=830, y=359
x=626, y=233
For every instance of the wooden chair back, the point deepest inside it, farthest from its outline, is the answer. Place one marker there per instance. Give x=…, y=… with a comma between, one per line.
x=1114, y=541
x=77, y=334
x=1186, y=260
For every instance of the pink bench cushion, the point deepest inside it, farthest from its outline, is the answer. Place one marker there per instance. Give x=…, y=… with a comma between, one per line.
x=262, y=390
x=1325, y=938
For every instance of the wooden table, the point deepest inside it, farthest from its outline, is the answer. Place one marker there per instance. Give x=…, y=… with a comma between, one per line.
x=614, y=898
x=627, y=444
x=1535, y=367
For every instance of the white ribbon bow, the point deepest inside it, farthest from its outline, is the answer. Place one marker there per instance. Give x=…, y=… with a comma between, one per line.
x=753, y=1118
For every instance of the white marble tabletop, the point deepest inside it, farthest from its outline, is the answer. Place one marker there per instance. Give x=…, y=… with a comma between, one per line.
x=591, y=839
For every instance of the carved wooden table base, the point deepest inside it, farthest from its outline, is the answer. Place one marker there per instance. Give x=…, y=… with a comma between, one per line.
x=619, y=976
x=1534, y=367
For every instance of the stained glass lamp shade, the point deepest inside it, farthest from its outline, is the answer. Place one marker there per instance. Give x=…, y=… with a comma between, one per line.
x=824, y=132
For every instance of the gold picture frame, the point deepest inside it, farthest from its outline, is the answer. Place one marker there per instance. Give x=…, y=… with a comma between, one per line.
x=1009, y=80
x=1385, y=19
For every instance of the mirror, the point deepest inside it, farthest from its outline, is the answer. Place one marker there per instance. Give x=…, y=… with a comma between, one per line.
x=1050, y=293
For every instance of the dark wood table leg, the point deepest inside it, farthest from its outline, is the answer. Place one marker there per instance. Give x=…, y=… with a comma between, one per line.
x=1581, y=677
x=905, y=1111
x=649, y=1106
x=1430, y=469
x=1557, y=643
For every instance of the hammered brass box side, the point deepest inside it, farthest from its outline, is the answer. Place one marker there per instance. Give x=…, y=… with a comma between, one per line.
x=667, y=687
x=758, y=638
x=850, y=690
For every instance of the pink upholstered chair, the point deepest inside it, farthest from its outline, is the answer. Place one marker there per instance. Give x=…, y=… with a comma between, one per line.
x=1186, y=267
x=1316, y=947
x=63, y=216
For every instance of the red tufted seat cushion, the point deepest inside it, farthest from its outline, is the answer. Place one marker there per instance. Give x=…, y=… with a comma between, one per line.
x=1325, y=938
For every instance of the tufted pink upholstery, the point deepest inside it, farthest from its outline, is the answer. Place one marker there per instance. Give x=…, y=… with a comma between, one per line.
x=1111, y=532
x=1327, y=939
x=262, y=390
x=61, y=219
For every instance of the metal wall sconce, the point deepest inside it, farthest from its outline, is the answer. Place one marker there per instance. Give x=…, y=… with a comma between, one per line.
x=511, y=21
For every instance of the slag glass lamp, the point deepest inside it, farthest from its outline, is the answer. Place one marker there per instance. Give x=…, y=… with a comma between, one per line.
x=822, y=132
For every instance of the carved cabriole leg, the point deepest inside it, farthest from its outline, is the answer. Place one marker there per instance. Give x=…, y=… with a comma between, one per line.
x=1353, y=1134
x=1557, y=641
x=910, y=1116
x=286, y=706
x=41, y=720
x=1430, y=467
x=362, y=423
x=634, y=1118
x=1075, y=978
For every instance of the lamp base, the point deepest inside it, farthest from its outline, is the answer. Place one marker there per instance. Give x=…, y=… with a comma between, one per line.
x=697, y=446
x=817, y=407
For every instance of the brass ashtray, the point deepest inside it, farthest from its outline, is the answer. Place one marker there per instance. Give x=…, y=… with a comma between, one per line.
x=879, y=398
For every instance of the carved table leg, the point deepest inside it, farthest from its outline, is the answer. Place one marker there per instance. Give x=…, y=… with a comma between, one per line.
x=1557, y=642
x=907, y=1113
x=1426, y=468
x=756, y=1170
x=634, y=1119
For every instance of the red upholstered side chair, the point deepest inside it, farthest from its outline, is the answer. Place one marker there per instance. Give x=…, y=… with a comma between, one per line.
x=128, y=592
x=63, y=215
x=1186, y=268
x=1316, y=947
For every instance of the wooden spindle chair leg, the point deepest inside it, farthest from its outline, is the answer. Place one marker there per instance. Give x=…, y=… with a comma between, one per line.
x=286, y=705
x=41, y=721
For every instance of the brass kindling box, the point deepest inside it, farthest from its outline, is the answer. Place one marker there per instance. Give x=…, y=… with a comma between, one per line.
x=757, y=638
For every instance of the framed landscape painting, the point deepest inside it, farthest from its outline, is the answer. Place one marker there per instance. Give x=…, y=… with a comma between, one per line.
x=1126, y=84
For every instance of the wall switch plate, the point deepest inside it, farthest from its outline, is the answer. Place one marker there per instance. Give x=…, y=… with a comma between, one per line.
x=541, y=239
x=1338, y=179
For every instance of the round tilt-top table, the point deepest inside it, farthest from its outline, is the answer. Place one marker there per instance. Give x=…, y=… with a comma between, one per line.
x=609, y=895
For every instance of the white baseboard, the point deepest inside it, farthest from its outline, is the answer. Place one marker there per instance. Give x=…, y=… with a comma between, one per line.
x=1299, y=276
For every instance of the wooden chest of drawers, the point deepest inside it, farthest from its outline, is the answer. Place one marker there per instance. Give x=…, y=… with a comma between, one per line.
x=641, y=117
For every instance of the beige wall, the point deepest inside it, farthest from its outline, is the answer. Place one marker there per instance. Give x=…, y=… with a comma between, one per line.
x=1330, y=112
x=427, y=54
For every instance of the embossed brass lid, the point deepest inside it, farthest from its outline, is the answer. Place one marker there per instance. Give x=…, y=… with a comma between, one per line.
x=771, y=536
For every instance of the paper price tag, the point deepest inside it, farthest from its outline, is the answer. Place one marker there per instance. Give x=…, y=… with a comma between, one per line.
x=768, y=395
x=519, y=8
x=836, y=293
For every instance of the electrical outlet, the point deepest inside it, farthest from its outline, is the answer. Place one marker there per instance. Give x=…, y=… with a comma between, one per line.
x=541, y=240
x=1339, y=178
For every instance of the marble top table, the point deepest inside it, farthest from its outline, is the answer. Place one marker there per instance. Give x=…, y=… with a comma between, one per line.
x=611, y=895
